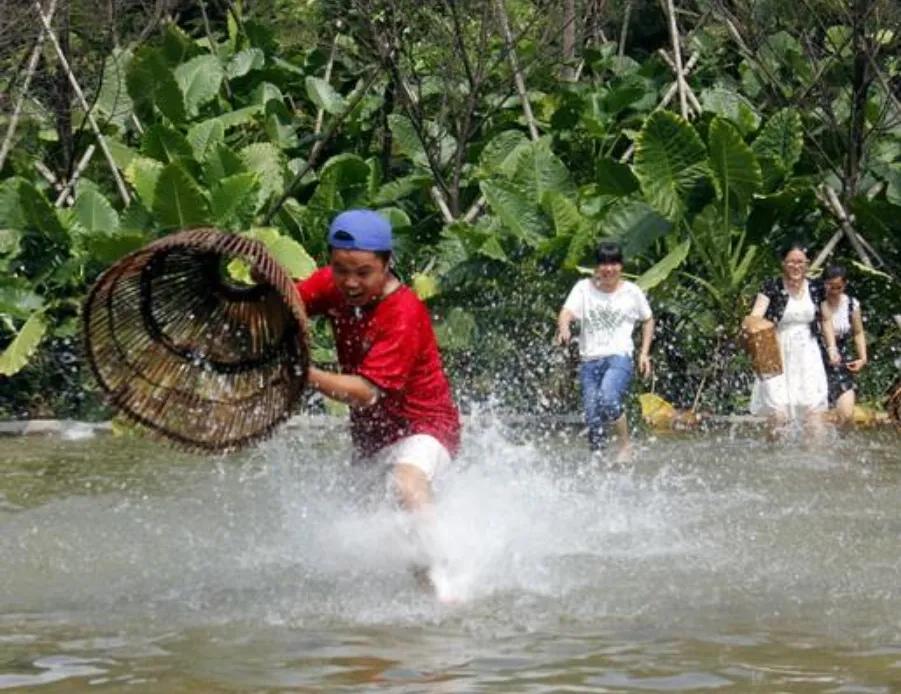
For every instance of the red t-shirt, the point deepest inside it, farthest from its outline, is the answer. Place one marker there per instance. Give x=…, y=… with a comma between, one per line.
x=392, y=345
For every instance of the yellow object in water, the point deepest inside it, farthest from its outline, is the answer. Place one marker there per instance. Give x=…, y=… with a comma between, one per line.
x=656, y=411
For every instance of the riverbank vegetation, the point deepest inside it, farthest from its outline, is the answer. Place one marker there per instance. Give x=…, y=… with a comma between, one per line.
x=502, y=138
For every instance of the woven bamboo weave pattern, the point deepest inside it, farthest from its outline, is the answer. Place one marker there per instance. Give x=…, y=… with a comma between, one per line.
x=193, y=355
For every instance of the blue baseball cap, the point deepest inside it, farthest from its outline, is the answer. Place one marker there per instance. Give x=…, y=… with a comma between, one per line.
x=360, y=230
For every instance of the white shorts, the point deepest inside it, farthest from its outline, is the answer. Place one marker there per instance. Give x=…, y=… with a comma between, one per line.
x=422, y=451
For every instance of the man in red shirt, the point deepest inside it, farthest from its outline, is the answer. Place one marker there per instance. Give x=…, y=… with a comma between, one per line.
x=402, y=412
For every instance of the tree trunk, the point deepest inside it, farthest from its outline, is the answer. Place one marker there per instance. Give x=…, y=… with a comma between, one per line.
x=860, y=85
x=63, y=95
x=569, y=41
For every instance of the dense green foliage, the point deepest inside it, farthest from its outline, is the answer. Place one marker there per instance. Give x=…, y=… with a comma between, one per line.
x=270, y=118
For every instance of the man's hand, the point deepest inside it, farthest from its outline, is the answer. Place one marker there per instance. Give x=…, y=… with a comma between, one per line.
x=644, y=365
x=564, y=335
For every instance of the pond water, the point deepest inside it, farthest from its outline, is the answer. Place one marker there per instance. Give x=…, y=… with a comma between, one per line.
x=715, y=562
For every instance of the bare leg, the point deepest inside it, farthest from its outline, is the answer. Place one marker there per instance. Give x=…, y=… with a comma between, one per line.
x=623, y=444
x=412, y=486
x=815, y=428
x=844, y=409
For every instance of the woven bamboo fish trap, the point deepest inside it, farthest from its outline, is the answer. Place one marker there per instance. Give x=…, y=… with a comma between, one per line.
x=196, y=357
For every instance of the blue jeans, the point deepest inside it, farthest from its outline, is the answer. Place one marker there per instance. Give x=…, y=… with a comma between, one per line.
x=604, y=383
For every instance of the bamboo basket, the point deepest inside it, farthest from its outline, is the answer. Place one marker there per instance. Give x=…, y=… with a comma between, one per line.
x=198, y=358
x=762, y=345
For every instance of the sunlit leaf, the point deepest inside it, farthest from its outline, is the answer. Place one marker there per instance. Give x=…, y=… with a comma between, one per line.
x=143, y=174
x=670, y=160
x=204, y=136
x=736, y=173
x=324, y=96
x=179, y=202
x=95, y=213
x=664, y=267
x=199, y=79
x=17, y=353
x=245, y=61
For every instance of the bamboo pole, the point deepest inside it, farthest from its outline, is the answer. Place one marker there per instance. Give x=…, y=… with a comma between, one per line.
x=29, y=73
x=518, y=79
x=120, y=184
x=677, y=56
x=664, y=102
x=70, y=185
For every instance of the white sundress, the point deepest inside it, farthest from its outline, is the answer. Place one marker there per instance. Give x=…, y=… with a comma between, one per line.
x=801, y=387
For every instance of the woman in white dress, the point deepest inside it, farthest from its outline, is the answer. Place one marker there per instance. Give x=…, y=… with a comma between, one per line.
x=800, y=393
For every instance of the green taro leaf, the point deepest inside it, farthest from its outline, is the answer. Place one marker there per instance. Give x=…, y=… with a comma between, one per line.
x=41, y=215
x=221, y=162
x=736, y=173
x=733, y=106
x=265, y=160
x=515, y=209
x=492, y=248
x=500, y=155
x=540, y=171
x=662, y=269
x=18, y=300
x=108, y=248
x=113, y=100
x=179, y=202
x=151, y=83
x=204, y=136
x=19, y=351
x=11, y=214
x=245, y=61
x=635, y=225
x=165, y=144
x=781, y=139
x=95, y=213
x=670, y=160
x=289, y=253
x=324, y=96
x=614, y=178
x=401, y=188
x=143, y=174
x=236, y=198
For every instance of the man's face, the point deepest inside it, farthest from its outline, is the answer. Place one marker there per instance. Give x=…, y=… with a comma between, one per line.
x=359, y=275
x=606, y=275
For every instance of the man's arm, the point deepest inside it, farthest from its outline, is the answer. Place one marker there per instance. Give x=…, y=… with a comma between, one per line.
x=352, y=390
x=644, y=356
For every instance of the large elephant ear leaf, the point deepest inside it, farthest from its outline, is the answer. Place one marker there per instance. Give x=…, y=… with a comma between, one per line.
x=199, y=80
x=179, y=202
x=151, y=83
x=664, y=267
x=515, y=209
x=539, y=171
x=19, y=351
x=95, y=213
x=670, y=160
x=736, y=173
x=781, y=139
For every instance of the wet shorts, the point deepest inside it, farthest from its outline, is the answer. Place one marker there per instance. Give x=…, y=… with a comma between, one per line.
x=422, y=451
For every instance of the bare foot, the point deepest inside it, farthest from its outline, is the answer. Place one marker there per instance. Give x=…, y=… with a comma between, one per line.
x=624, y=455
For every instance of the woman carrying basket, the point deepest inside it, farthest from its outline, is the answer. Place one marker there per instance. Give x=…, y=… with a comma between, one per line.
x=794, y=304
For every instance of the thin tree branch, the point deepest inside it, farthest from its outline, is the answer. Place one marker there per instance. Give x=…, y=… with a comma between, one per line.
x=319, y=144
x=517, y=72
x=120, y=184
x=29, y=73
